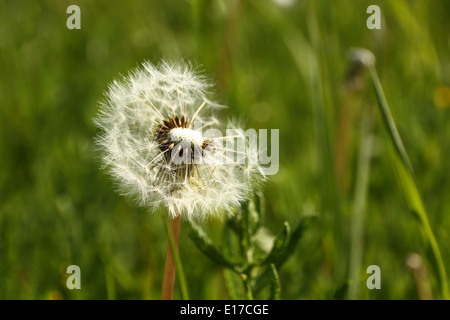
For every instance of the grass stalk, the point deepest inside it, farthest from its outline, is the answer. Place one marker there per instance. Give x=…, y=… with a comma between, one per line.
x=408, y=180
x=359, y=205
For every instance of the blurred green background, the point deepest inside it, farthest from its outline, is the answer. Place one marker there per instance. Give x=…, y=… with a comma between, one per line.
x=278, y=65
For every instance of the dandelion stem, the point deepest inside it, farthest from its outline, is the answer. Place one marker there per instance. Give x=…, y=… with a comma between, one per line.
x=171, y=253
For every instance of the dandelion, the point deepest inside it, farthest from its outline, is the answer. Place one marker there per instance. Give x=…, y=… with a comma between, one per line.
x=164, y=147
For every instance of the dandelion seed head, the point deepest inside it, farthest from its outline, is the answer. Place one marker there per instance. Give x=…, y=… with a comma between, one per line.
x=153, y=144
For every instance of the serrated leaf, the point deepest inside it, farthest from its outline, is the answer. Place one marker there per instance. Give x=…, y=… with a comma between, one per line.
x=303, y=225
x=260, y=204
x=283, y=249
x=279, y=246
x=282, y=241
x=245, y=227
x=254, y=215
x=230, y=242
x=249, y=223
x=205, y=245
x=275, y=285
x=262, y=280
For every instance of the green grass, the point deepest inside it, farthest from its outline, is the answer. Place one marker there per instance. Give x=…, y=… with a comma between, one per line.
x=280, y=68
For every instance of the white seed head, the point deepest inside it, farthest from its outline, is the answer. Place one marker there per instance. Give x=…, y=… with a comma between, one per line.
x=154, y=143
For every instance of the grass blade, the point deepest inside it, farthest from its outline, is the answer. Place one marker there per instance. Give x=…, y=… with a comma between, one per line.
x=408, y=181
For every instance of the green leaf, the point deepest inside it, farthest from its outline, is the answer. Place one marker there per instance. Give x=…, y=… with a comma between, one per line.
x=234, y=285
x=250, y=221
x=205, y=245
x=285, y=243
x=341, y=291
x=279, y=247
x=245, y=228
x=303, y=225
x=230, y=243
x=275, y=285
x=260, y=205
x=256, y=208
x=263, y=279
x=231, y=250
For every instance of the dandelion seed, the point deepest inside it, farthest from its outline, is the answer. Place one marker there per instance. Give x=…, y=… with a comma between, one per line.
x=153, y=143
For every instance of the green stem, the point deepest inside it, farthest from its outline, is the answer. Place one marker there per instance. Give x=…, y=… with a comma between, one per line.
x=408, y=179
x=110, y=285
x=247, y=286
x=359, y=206
x=389, y=122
